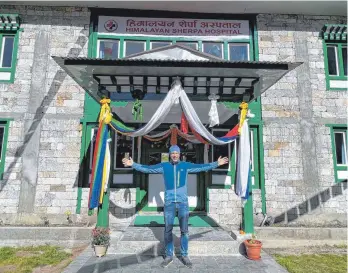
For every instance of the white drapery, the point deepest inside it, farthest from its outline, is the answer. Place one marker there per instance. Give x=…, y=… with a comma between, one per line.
x=243, y=170
x=213, y=113
x=174, y=95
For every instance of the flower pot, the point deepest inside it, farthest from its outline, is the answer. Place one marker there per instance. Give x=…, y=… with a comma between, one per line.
x=253, y=250
x=100, y=250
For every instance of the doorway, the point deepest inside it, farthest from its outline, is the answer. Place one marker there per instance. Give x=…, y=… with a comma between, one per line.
x=152, y=185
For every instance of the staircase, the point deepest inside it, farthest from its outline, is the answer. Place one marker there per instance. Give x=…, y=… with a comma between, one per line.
x=148, y=240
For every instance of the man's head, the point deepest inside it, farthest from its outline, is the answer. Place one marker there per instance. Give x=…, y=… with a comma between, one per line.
x=174, y=152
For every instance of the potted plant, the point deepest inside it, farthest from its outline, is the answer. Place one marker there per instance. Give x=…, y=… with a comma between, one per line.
x=253, y=248
x=100, y=240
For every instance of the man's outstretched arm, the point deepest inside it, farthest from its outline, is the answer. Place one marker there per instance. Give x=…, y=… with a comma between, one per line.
x=196, y=168
x=158, y=168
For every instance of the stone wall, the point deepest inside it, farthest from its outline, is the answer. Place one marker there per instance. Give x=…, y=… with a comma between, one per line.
x=43, y=155
x=42, y=160
x=299, y=174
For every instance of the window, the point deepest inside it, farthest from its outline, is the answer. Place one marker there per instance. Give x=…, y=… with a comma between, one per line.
x=4, y=125
x=222, y=150
x=238, y=52
x=108, y=49
x=189, y=44
x=9, y=33
x=213, y=48
x=335, y=56
x=159, y=44
x=7, y=51
x=124, y=147
x=339, y=150
x=133, y=47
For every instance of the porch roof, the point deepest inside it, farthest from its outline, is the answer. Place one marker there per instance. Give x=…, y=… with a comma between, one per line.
x=153, y=72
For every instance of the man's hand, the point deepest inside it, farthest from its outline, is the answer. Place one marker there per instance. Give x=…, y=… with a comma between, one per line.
x=222, y=160
x=127, y=162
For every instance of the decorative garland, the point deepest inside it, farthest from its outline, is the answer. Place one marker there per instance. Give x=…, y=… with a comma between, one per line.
x=101, y=156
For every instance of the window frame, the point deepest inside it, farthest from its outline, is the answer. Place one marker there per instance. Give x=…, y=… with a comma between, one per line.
x=230, y=153
x=339, y=55
x=173, y=39
x=337, y=128
x=255, y=155
x=98, y=47
x=131, y=40
x=5, y=123
x=233, y=43
x=128, y=169
x=12, y=69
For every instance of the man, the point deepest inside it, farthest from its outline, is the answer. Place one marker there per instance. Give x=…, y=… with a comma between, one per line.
x=175, y=197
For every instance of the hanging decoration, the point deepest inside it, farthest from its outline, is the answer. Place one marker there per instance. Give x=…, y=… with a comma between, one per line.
x=184, y=124
x=243, y=179
x=189, y=121
x=243, y=113
x=137, y=110
x=213, y=113
x=177, y=93
x=99, y=167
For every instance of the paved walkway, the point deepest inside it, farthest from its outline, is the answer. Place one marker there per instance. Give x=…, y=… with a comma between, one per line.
x=88, y=263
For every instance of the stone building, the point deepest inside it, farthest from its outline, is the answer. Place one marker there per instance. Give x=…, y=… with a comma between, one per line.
x=48, y=121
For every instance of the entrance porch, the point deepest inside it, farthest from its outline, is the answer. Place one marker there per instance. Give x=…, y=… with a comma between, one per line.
x=153, y=73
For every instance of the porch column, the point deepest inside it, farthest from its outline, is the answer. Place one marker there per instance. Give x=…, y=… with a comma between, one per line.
x=247, y=214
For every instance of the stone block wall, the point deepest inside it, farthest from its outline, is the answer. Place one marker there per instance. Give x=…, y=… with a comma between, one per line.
x=299, y=173
x=43, y=155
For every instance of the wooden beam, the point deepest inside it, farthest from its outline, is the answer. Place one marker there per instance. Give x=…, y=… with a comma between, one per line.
x=221, y=86
x=131, y=83
x=195, y=84
x=158, y=86
x=145, y=84
x=207, y=86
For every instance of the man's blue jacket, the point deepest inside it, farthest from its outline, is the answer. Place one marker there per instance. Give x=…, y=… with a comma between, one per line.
x=175, y=177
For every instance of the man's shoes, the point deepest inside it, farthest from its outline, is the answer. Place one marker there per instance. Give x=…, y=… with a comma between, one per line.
x=167, y=261
x=186, y=261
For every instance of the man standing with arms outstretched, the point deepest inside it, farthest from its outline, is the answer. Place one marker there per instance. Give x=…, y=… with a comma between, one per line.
x=175, y=196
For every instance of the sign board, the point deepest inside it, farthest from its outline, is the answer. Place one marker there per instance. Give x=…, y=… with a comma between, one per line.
x=173, y=27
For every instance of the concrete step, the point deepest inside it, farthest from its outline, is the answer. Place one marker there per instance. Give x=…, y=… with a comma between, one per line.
x=69, y=236
x=300, y=233
x=148, y=241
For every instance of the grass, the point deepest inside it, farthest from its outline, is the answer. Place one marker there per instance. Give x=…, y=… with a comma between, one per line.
x=25, y=259
x=318, y=263
x=342, y=246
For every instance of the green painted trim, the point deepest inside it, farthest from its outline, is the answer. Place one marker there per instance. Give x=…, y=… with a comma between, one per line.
x=256, y=40
x=207, y=208
x=119, y=103
x=337, y=78
x=200, y=46
x=262, y=169
x=248, y=217
x=326, y=68
x=6, y=124
x=225, y=50
x=79, y=200
x=226, y=187
x=83, y=152
x=121, y=52
x=159, y=38
x=11, y=69
x=336, y=125
x=340, y=68
x=333, y=128
x=333, y=153
x=6, y=119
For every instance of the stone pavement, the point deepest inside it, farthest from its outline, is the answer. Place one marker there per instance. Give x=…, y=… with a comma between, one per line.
x=88, y=263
